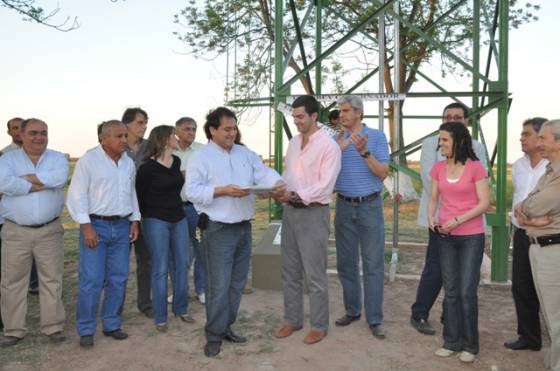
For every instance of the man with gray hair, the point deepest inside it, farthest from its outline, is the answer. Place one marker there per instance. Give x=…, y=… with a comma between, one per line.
x=525, y=172
x=32, y=180
x=539, y=213
x=185, y=129
x=359, y=215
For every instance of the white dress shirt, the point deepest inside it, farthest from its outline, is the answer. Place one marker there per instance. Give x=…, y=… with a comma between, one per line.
x=10, y=147
x=20, y=205
x=184, y=156
x=211, y=167
x=102, y=187
x=524, y=178
x=428, y=157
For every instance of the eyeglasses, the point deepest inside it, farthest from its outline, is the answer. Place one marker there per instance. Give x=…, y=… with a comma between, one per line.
x=450, y=118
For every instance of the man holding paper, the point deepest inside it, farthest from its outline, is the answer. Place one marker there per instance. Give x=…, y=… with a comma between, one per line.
x=312, y=166
x=219, y=176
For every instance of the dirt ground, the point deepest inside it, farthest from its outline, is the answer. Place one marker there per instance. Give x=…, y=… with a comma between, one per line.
x=350, y=348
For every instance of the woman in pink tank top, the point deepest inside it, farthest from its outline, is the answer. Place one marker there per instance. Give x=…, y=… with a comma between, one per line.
x=461, y=184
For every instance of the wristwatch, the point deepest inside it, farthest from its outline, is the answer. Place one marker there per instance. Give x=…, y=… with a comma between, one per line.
x=366, y=154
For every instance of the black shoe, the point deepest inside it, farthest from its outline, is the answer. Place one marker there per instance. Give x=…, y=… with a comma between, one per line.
x=34, y=291
x=148, y=312
x=212, y=349
x=9, y=341
x=521, y=344
x=234, y=338
x=423, y=326
x=57, y=337
x=346, y=320
x=117, y=334
x=86, y=341
x=378, y=331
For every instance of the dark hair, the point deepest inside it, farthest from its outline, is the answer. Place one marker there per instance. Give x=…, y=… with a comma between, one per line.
x=25, y=122
x=237, y=139
x=308, y=102
x=462, y=141
x=466, y=111
x=535, y=122
x=99, y=130
x=130, y=114
x=157, y=141
x=213, y=119
x=334, y=114
x=14, y=119
x=185, y=120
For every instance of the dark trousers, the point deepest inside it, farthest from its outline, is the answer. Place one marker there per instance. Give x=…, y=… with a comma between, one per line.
x=523, y=289
x=430, y=281
x=143, y=273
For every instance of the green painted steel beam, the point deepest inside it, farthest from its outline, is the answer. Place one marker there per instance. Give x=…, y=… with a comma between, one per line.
x=337, y=44
x=276, y=210
x=430, y=40
x=500, y=238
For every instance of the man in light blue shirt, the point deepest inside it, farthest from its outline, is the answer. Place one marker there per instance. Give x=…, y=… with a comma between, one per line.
x=219, y=175
x=32, y=180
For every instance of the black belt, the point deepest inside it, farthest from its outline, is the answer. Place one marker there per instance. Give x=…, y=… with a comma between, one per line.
x=551, y=239
x=108, y=218
x=357, y=200
x=34, y=225
x=233, y=224
x=301, y=205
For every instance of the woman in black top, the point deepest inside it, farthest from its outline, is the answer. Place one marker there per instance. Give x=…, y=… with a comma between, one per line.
x=158, y=186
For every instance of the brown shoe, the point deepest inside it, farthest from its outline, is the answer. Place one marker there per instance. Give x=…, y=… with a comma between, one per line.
x=314, y=336
x=286, y=330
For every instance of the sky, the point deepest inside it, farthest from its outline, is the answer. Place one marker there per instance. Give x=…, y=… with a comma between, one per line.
x=124, y=55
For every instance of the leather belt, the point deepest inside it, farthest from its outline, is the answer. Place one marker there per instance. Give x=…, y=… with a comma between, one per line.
x=301, y=205
x=357, y=200
x=108, y=218
x=551, y=239
x=34, y=225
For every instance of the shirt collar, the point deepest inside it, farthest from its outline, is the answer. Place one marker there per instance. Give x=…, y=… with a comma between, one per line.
x=553, y=166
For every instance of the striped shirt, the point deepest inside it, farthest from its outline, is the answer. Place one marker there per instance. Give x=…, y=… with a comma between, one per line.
x=355, y=178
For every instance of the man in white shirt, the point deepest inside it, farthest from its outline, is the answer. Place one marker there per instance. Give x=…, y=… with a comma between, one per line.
x=218, y=177
x=102, y=199
x=32, y=180
x=185, y=129
x=14, y=132
x=525, y=173
x=430, y=280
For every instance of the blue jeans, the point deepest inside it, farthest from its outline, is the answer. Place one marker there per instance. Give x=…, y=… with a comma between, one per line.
x=359, y=229
x=461, y=257
x=192, y=219
x=226, y=254
x=430, y=281
x=105, y=267
x=168, y=242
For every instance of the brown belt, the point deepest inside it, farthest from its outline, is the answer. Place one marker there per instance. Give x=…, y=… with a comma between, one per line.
x=35, y=226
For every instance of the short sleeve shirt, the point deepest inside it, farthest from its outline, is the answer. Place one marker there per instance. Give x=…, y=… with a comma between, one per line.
x=458, y=197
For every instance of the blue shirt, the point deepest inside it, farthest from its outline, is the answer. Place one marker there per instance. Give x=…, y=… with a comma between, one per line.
x=355, y=178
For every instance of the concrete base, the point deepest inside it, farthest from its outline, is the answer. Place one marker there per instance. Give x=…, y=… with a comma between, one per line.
x=267, y=260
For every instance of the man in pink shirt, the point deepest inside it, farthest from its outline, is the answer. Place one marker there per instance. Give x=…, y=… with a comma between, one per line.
x=312, y=166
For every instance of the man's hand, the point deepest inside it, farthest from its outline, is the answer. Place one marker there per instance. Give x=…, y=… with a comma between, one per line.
x=342, y=142
x=90, y=235
x=282, y=196
x=36, y=187
x=278, y=190
x=360, y=142
x=133, y=231
x=522, y=219
x=232, y=190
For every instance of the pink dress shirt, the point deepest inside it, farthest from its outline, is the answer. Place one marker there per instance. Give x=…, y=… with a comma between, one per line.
x=311, y=172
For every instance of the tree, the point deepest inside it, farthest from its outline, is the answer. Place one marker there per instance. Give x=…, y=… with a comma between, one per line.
x=212, y=27
x=32, y=12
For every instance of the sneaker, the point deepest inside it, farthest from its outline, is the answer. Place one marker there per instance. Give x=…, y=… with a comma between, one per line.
x=467, y=357
x=202, y=298
x=422, y=326
x=442, y=352
x=170, y=299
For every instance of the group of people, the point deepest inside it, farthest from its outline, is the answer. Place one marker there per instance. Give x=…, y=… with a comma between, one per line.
x=155, y=193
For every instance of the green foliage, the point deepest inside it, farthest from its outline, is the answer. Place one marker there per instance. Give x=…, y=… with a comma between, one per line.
x=246, y=28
